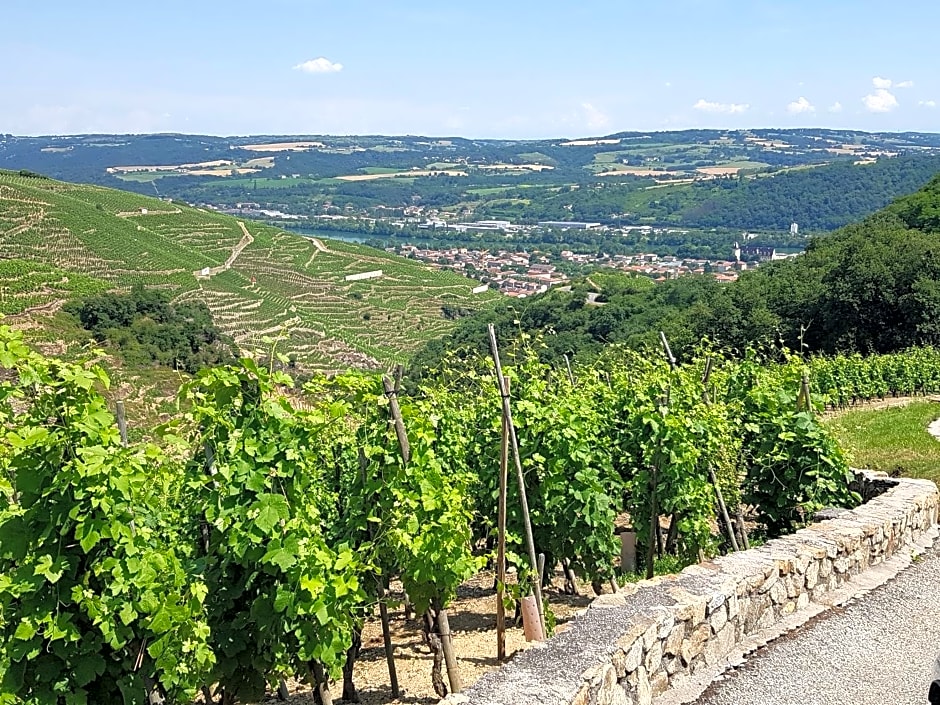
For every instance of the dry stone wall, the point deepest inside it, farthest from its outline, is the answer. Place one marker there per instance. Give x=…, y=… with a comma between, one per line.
x=630, y=647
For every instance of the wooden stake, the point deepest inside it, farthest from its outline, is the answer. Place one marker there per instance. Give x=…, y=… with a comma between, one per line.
x=571, y=580
x=654, y=527
x=667, y=350
x=742, y=529
x=672, y=536
x=501, y=545
x=628, y=551
x=380, y=592
x=570, y=373
x=719, y=498
x=514, y=442
x=447, y=645
x=706, y=376
x=387, y=638
x=399, y=373
x=723, y=508
x=395, y=411
x=453, y=674
x=121, y=422
x=804, y=391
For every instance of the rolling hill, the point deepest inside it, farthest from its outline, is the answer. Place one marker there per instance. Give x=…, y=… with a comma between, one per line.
x=740, y=179
x=61, y=240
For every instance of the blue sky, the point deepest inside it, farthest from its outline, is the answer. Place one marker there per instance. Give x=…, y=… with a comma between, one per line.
x=480, y=68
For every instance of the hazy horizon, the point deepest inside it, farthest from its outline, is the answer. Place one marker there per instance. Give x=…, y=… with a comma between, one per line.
x=585, y=136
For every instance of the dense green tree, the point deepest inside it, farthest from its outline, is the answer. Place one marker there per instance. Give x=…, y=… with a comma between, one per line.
x=148, y=329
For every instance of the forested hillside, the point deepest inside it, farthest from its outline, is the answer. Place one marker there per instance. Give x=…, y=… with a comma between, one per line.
x=818, y=199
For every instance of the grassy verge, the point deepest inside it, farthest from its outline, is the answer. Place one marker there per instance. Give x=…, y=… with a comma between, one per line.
x=891, y=440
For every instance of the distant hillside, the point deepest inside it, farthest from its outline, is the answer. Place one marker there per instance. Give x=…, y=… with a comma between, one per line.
x=59, y=241
x=819, y=199
x=872, y=286
x=760, y=179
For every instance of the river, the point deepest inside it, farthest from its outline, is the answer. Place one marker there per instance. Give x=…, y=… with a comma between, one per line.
x=346, y=236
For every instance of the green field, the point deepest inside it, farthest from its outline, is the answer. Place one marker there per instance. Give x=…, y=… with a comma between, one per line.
x=893, y=440
x=59, y=241
x=145, y=177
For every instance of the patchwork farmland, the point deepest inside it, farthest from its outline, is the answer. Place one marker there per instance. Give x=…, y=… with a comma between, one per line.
x=61, y=240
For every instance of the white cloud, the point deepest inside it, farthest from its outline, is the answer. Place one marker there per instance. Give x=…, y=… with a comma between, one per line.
x=593, y=117
x=882, y=83
x=714, y=107
x=904, y=84
x=928, y=103
x=835, y=107
x=881, y=101
x=800, y=105
x=319, y=65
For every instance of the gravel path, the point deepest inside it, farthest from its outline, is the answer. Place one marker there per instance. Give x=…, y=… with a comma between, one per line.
x=877, y=651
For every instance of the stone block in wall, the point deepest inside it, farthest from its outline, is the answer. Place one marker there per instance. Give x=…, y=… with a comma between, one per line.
x=689, y=608
x=659, y=684
x=633, y=656
x=757, y=609
x=653, y=660
x=694, y=644
x=812, y=574
x=673, y=642
x=720, y=645
x=718, y=619
x=643, y=691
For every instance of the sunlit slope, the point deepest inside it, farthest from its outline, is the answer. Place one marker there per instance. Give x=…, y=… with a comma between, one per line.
x=259, y=282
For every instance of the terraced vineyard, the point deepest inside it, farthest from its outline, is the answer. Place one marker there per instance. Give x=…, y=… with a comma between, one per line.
x=59, y=240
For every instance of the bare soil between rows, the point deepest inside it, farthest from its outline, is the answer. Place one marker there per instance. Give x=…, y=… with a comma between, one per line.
x=473, y=624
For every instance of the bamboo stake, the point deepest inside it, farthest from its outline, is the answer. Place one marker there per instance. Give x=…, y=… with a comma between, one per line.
x=514, y=441
x=501, y=545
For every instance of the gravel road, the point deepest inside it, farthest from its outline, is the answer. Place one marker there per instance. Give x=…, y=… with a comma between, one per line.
x=878, y=651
